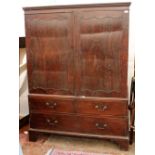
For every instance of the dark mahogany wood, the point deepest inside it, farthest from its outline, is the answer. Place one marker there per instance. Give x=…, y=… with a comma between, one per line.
x=48, y=104
x=102, y=64
x=123, y=143
x=77, y=58
x=132, y=110
x=24, y=121
x=78, y=6
x=113, y=108
x=79, y=123
x=21, y=42
x=50, y=54
x=33, y=136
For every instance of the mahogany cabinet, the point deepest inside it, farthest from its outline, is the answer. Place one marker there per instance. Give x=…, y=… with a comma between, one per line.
x=77, y=60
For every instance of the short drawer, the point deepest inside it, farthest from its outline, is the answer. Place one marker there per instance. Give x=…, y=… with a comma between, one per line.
x=80, y=124
x=114, y=108
x=53, y=122
x=42, y=104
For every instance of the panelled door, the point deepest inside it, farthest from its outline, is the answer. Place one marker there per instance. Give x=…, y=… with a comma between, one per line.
x=50, y=54
x=102, y=53
x=81, y=53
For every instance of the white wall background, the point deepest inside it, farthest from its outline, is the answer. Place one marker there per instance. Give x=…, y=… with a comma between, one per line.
x=24, y=3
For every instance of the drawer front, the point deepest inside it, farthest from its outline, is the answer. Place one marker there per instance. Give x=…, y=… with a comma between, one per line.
x=43, y=104
x=115, y=108
x=53, y=122
x=80, y=124
x=104, y=126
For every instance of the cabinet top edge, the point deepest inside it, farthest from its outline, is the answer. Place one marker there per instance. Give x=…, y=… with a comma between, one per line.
x=127, y=4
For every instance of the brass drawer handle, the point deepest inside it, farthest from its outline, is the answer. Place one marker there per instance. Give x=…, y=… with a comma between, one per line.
x=101, y=126
x=52, y=122
x=51, y=105
x=101, y=107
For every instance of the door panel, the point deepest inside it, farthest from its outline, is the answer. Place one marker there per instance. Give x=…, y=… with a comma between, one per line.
x=50, y=54
x=102, y=49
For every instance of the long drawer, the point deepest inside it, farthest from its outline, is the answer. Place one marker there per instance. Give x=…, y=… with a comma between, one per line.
x=81, y=124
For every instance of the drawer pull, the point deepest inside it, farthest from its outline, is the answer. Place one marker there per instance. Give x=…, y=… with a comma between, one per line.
x=101, y=126
x=52, y=122
x=101, y=107
x=51, y=105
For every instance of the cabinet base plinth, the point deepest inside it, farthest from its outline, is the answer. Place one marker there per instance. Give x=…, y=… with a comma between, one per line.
x=122, y=142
